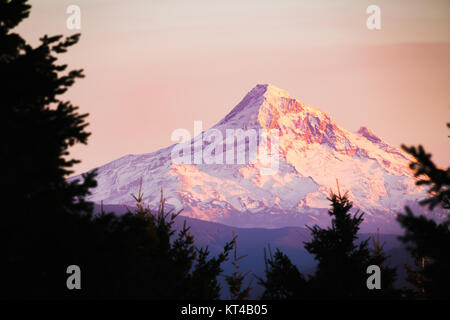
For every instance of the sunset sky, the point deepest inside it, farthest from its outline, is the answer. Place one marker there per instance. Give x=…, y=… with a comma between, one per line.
x=154, y=66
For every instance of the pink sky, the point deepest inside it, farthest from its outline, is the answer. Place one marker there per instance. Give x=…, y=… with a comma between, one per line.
x=154, y=66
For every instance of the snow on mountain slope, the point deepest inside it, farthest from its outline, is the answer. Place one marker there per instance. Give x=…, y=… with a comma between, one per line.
x=313, y=152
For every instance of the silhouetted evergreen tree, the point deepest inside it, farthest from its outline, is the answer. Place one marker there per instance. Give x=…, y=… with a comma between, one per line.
x=46, y=224
x=388, y=274
x=40, y=217
x=342, y=264
x=139, y=256
x=283, y=280
x=427, y=240
x=236, y=279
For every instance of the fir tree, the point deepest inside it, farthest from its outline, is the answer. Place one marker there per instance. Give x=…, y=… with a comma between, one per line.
x=388, y=274
x=235, y=281
x=427, y=240
x=342, y=264
x=140, y=255
x=43, y=213
x=283, y=280
x=46, y=223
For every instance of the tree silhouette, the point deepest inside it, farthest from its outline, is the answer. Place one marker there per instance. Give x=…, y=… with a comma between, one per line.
x=41, y=217
x=236, y=279
x=427, y=240
x=46, y=224
x=388, y=274
x=342, y=264
x=140, y=256
x=429, y=174
x=283, y=280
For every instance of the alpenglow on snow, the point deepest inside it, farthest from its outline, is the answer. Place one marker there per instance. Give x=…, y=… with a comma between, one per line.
x=313, y=152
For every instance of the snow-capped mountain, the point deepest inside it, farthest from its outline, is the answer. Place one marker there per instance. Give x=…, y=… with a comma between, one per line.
x=313, y=152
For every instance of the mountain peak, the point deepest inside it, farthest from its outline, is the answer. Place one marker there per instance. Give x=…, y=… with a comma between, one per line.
x=311, y=152
x=253, y=100
x=269, y=90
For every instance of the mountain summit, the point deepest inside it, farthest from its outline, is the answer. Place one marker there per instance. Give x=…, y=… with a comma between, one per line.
x=313, y=152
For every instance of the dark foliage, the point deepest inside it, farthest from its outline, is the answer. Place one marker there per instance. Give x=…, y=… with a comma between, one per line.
x=388, y=274
x=283, y=280
x=46, y=224
x=235, y=281
x=342, y=264
x=427, y=240
x=428, y=174
x=429, y=243
x=41, y=218
x=139, y=256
